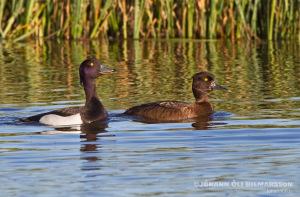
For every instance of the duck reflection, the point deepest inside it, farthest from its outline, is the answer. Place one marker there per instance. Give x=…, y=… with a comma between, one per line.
x=199, y=123
x=90, y=134
x=90, y=144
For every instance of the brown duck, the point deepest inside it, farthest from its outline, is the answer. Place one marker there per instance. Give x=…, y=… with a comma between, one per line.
x=203, y=82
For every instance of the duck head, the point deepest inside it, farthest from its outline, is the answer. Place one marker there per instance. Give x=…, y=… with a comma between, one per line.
x=204, y=82
x=91, y=68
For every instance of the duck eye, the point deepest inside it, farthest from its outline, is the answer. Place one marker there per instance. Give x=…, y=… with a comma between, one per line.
x=92, y=64
x=206, y=79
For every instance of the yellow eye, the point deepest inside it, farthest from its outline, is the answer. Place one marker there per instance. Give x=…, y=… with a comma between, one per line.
x=206, y=79
x=92, y=64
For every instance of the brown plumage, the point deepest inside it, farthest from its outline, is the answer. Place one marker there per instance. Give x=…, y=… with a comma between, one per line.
x=175, y=110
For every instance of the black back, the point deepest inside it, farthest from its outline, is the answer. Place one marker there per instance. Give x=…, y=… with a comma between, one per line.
x=93, y=110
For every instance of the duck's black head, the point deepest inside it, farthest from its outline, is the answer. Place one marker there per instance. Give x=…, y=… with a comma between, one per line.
x=204, y=82
x=91, y=68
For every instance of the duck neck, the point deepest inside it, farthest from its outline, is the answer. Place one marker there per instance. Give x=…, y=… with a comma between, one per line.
x=200, y=95
x=90, y=90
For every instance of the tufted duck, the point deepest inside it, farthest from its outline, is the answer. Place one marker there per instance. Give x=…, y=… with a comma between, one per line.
x=175, y=110
x=92, y=111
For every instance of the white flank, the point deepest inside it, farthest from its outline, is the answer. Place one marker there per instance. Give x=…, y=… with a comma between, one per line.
x=52, y=119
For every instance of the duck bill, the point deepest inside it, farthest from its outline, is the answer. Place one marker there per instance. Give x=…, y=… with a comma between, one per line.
x=216, y=86
x=106, y=71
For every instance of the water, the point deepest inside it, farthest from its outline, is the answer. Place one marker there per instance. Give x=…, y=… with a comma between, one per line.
x=253, y=137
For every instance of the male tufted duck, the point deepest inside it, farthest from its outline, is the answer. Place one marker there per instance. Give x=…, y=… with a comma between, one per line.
x=175, y=110
x=92, y=111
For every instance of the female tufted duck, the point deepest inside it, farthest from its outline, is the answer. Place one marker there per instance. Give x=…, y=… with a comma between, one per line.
x=92, y=111
x=175, y=110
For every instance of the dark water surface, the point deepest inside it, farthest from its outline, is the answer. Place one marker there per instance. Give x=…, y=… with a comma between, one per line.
x=252, y=138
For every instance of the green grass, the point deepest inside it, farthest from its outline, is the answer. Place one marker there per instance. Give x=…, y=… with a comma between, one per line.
x=200, y=19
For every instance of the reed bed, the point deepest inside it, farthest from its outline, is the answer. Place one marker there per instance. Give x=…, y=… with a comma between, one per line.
x=201, y=19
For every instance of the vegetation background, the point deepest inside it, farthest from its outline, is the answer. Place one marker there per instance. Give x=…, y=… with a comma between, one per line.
x=206, y=19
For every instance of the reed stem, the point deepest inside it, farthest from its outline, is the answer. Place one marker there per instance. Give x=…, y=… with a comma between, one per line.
x=75, y=19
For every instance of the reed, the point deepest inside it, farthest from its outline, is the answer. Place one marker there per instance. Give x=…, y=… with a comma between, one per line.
x=78, y=19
